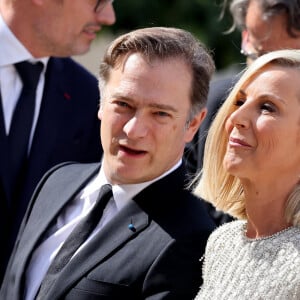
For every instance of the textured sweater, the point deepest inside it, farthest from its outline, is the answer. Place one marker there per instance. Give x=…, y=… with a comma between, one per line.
x=239, y=268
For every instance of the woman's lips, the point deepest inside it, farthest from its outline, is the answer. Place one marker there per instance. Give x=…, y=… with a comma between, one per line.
x=238, y=142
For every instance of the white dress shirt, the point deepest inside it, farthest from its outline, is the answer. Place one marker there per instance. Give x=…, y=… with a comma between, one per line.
x=12, y=51
x=69, y=218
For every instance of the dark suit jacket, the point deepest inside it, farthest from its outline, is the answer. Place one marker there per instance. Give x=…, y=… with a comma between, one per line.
x=160, y=260
x=67, y=129
x=218, y=92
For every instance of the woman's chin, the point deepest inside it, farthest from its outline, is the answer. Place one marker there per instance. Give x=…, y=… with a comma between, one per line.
x=233, y=166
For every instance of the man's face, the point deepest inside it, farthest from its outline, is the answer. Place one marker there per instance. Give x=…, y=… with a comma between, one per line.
x=144, y=113
x=265, y=35
x=68, y=27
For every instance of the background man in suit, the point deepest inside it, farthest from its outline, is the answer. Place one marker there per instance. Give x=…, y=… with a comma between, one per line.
x=148, y=243
x=64, y=123
x=265, y=25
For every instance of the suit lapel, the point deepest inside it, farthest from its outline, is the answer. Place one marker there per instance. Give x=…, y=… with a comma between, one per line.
x=116, y=233
x=112, y=236
x=4, y=162
x=37, y=227
x=51, y=112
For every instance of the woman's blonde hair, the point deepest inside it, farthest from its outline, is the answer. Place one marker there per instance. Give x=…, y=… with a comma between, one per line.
x=215, y=184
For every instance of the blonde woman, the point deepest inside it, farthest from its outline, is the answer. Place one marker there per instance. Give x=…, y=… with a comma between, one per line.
x=251, y=170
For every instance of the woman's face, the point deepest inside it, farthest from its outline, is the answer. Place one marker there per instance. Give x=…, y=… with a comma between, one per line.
x=264, y=130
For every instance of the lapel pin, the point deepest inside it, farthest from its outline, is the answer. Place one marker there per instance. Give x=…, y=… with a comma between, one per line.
x=131, y=227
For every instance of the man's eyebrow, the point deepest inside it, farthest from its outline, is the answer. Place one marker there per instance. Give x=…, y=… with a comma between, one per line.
x=163, y=106
x=151, y=104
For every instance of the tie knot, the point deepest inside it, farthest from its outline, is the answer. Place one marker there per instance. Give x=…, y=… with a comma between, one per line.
x=29, y=73
x=105, y=193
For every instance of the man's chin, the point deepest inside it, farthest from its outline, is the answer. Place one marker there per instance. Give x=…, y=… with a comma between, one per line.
x=125, y=176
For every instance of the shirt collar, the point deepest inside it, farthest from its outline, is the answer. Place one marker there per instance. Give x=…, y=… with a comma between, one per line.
x=12, y=50
x=125, y=192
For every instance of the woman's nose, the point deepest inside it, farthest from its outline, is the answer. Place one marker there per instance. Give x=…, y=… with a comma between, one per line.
x=240, y=118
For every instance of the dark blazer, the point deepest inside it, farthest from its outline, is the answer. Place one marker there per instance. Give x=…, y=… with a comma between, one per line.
x=160, y=260
x=218, y=92
x=67, y=129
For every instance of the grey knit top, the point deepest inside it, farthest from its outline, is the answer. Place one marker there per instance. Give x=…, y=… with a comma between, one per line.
x=239, y=268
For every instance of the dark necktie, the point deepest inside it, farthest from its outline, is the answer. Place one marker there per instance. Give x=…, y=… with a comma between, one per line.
x=76, y=238
x=21, y=123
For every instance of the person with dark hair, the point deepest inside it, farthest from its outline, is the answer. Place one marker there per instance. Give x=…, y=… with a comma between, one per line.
x=141, y=236
x=265, y=25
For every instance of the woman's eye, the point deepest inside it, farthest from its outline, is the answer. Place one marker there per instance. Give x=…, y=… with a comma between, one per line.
x=239, y=102
x=267, y=107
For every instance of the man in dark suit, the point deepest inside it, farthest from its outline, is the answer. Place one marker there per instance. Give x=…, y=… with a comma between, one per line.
x=152, y=233
x=64, y=123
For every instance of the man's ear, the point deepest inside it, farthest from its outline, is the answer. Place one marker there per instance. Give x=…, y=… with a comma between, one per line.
x=100, y=111
x=245, y=38
x=245, y=42
x=194, y=125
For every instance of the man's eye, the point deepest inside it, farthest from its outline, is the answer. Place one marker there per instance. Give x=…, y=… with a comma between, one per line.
x=122, y=104
x=162, y=114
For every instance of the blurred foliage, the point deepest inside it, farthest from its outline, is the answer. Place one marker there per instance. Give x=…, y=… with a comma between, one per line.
x=201, y=17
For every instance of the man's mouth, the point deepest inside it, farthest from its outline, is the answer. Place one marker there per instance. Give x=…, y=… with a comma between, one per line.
x=92, y=30
x=131, y=151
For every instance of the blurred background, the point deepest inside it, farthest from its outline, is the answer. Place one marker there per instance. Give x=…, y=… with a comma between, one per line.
x=201, y=17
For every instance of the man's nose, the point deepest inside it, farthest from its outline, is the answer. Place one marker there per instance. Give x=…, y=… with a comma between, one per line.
x=136, y=127
x=106, y=15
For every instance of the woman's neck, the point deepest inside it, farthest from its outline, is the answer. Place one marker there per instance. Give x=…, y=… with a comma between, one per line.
x=265, y=207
